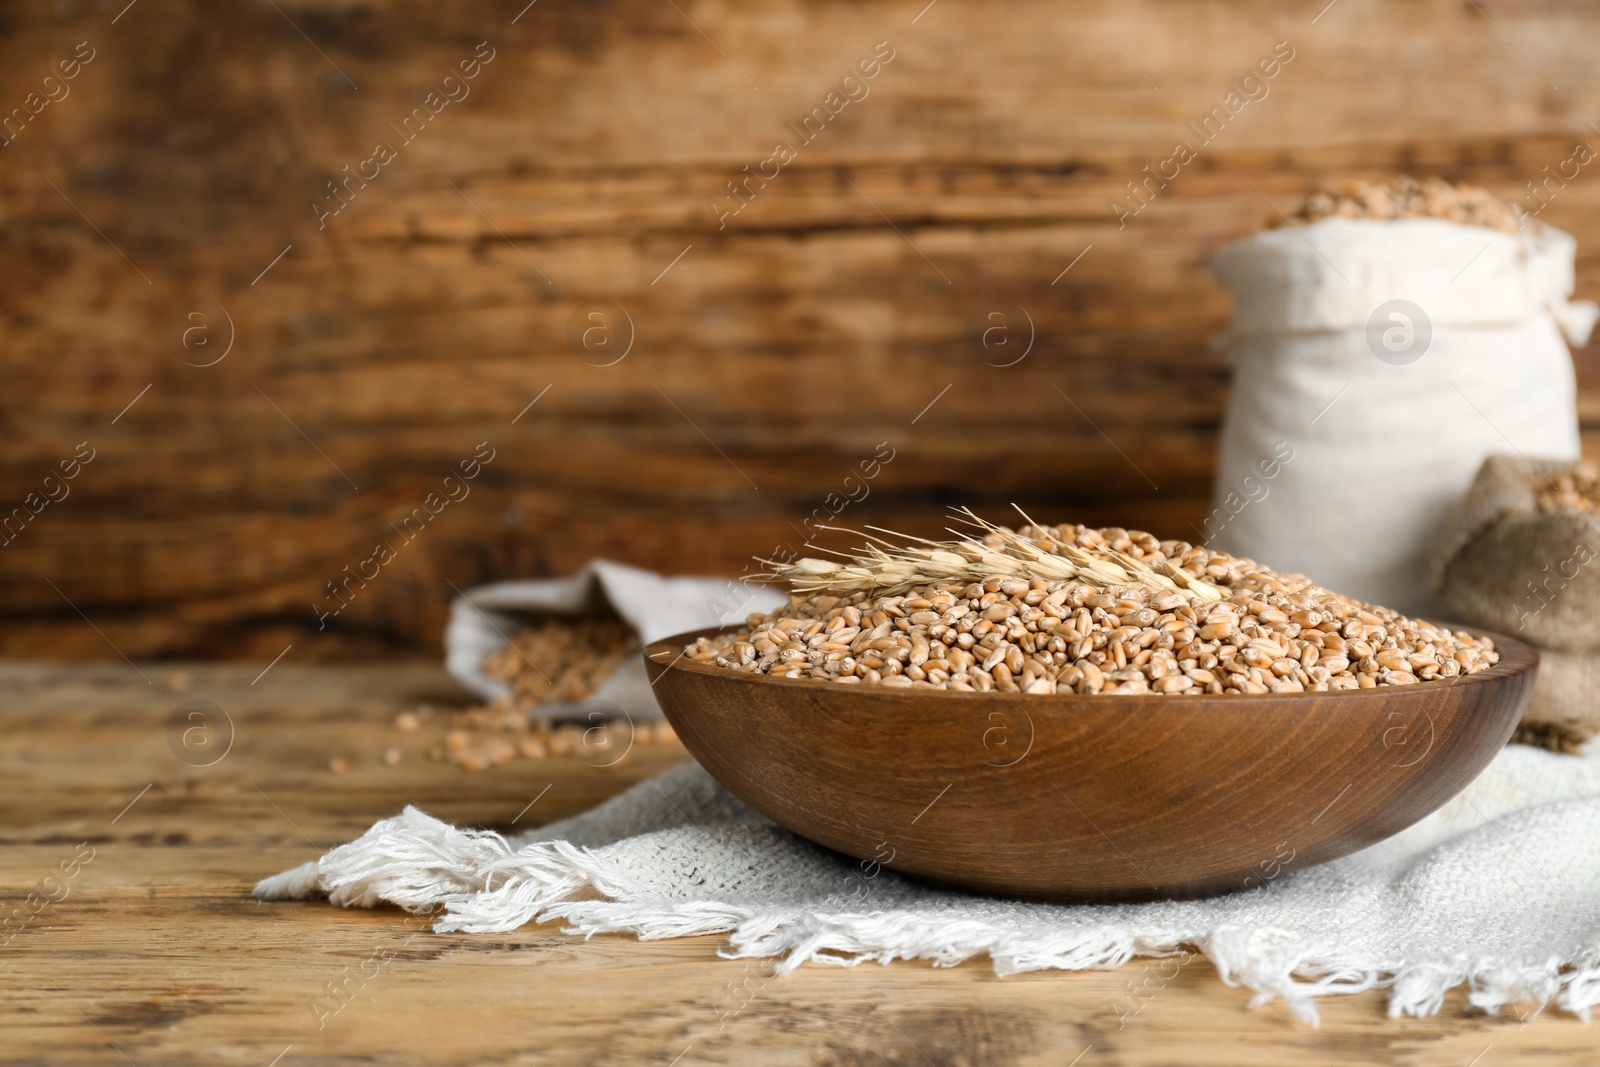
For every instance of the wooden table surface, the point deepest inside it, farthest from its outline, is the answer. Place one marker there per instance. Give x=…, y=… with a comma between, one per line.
x=150, y=949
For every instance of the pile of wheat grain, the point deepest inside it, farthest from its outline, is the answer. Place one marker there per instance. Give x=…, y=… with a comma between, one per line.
x=491, y=735
x=1574, y=490
x=1407, y=198
x=1074, y=609
x=561, y=660
x=556, y=661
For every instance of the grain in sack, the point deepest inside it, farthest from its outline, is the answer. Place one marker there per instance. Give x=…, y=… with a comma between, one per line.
x=1520, y=558
x=1382, y=346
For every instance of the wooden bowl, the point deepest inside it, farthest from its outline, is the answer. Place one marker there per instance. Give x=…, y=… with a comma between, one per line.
x=1090, y=798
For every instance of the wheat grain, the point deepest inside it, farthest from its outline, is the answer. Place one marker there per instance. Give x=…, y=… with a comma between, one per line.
x=1574, y=490
x=1406, y=198
x=1080, y=610
x=561, y=660
x=558, y=660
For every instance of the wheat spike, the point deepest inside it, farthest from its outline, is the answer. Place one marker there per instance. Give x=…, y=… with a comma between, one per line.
x=885, y=567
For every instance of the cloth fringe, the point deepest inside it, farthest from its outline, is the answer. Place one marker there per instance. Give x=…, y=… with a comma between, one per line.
x=480, y=882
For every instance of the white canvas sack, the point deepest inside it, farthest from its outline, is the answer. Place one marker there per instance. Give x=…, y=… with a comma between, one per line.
x=1376, y=364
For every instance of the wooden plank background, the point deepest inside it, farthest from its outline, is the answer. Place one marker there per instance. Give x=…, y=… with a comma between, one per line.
x=177, y=176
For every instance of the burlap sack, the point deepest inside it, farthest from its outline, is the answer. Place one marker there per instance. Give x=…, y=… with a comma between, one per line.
x=1565, y=709
x=1506, y=566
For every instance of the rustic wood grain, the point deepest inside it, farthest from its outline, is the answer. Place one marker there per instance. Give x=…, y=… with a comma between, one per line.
x=769, y=360
x=157, y=951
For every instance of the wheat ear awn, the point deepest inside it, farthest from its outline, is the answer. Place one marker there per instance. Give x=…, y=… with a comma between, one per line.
x=885, y=566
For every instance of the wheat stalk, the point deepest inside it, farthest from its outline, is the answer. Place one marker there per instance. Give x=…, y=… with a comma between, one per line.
x=888, y=567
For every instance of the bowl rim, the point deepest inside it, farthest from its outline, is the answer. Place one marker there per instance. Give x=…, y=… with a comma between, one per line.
x=1516, y=657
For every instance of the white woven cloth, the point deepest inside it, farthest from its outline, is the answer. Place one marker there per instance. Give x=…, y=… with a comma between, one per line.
x=1499, y=889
